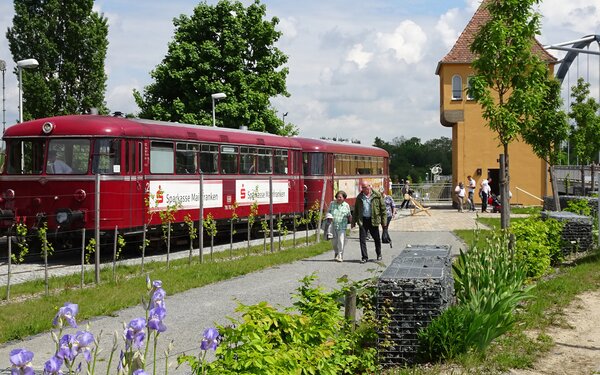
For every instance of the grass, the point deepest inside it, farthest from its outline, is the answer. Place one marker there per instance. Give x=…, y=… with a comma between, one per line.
x=32, y=312
x=531, y=210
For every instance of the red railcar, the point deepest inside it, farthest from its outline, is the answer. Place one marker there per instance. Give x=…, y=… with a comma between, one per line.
x=341, y=166
x=142, y=167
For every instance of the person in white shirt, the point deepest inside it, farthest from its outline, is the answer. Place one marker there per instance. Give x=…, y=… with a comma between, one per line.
x=471, y=193
x=57, y=166
x=485, y=193
x=460, y=196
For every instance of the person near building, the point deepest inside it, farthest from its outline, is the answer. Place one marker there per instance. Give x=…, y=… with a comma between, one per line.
x=369, y=213
x=460, y=192
x=471, y=193
x=485, y=193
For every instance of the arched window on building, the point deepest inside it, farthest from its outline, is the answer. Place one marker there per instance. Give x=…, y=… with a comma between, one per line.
x=456, y=87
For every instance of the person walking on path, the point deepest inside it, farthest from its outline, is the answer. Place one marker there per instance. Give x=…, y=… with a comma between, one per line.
x=485, y=193
x=340, y=210
x=471, y=193
x=390, y=205
x=406, y=194
x=460, y=196
x=369, y=213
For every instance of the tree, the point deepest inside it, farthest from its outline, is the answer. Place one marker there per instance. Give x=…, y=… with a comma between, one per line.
x=548, y=131
x=222, y=48
x=69, y=40
x=509, y=76
x=409, y=157
x=585, y=135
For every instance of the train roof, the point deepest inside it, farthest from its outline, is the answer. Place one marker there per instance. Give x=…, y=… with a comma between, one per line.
x=322, y=145
x=103, y=126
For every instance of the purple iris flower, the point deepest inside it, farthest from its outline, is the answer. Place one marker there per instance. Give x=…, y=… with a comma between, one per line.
x=83, y=341
x=134, y=334
x=139, y=372
x=21, y=362
x=53, y=365
x=67, y=312
x=210, y=339
x=66, y=348
x=155, y=319
x=157, y=298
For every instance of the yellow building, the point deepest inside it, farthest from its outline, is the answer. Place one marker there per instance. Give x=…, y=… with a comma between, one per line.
x=476, y=148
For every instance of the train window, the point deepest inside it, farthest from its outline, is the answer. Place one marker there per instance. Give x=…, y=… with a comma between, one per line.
x=68, y=156
x=317, y=164
x=25, y=156
x=305, y=165
x=161, y=157
x=107, y=156
x=140, y=157
x=281, y=162
x=248, y=160
x=209, y=158
x=229, y=159
x=265, y=160
x=185, y=158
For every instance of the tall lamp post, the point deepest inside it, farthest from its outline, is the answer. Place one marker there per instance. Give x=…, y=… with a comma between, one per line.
x=217, y=96
x=23, y=64
x=283, y=117
x=3, y=69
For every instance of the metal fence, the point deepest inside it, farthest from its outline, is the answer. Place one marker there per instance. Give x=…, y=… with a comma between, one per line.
x=433, y=192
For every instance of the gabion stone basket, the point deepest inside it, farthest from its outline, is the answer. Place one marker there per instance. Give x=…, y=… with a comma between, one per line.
x=577, y=231
x=414, y=289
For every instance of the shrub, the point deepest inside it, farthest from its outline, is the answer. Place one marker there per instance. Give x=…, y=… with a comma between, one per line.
x=315, y=339
x=445, y=336
x=538, y=244
x=489, y=285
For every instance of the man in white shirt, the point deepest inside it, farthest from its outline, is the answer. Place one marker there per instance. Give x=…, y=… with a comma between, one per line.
x=57, y=166
x=485, y=193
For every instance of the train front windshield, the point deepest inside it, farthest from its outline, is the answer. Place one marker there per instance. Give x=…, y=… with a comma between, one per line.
x=62, y=156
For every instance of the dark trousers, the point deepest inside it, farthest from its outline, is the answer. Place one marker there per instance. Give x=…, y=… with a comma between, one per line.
x=367, y=226
x=405, y=203
x=484, y=201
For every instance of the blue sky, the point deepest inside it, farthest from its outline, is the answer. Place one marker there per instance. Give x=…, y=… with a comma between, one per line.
x=358, y=69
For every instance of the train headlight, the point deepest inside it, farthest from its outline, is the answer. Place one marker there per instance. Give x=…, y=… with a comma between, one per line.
x=9, y=194
x=47, y=127
x=66, y=216
x=80, y=195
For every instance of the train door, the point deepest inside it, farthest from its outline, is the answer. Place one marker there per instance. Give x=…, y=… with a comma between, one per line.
x=136, y=190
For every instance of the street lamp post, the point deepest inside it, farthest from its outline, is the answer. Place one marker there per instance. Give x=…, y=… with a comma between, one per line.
x=217, y=96
x=283, y=117
x=24, y=64
x=3, y=69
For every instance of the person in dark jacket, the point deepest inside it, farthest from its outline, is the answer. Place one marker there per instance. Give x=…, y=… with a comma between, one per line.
x=369, y=213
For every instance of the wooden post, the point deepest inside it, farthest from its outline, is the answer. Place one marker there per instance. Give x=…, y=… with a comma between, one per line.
x=350, y=308
x=9, y=264
x=82, y=259
x=114, y=268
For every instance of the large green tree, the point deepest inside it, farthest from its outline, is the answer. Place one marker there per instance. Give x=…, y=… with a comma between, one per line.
x=224, y=48
x=509, y=76
x=69, y=41
x=585, y=135
x=548, y=131
x=411, y=159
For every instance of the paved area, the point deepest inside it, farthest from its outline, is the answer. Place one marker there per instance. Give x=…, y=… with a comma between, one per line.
x=189, y=313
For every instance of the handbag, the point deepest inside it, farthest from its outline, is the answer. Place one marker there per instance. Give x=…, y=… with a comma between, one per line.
x=385, y=236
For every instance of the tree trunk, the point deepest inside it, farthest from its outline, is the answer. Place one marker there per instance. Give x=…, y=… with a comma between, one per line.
x=505, y=189
x=554, y=187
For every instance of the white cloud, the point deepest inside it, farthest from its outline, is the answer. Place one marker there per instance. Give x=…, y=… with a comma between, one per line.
x=358, y=56
x=448, y=26
x=406, y=41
